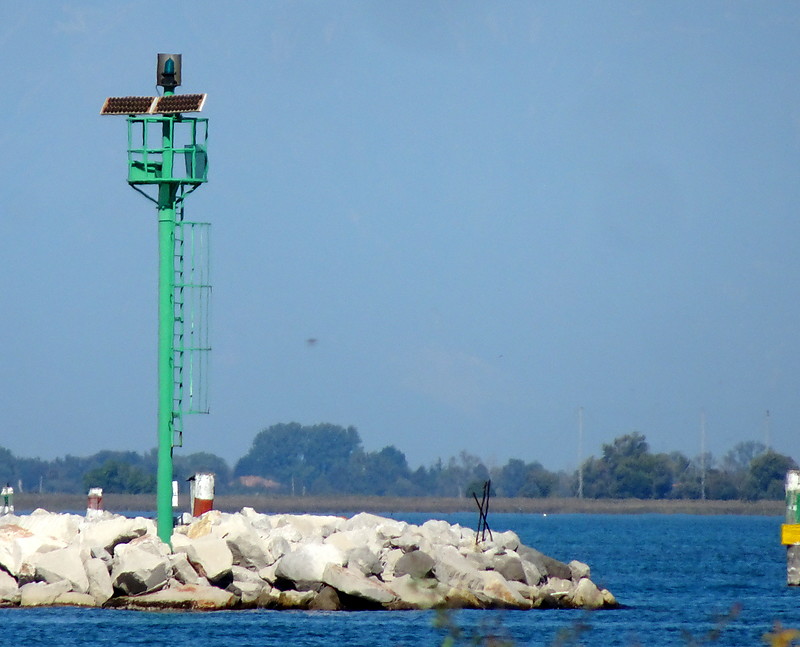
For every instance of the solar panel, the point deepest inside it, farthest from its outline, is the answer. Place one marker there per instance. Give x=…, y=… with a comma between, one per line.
x=128, y=105
x=174, y=103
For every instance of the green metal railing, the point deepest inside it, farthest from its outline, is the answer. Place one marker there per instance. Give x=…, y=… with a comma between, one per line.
x=147, y=149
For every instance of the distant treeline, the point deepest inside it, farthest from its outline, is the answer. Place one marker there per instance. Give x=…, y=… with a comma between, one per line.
x=326, y=459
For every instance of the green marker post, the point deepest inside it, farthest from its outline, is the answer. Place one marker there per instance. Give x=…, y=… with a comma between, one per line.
x=167, y=194
x=155, y=162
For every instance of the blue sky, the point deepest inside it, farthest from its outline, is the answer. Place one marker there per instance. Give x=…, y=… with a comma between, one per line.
x=488, y=214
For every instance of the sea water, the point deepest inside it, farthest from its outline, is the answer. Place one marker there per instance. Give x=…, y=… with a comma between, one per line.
x=682, y=579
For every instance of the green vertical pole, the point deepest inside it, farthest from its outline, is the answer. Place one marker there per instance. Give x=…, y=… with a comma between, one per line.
x=167, y=192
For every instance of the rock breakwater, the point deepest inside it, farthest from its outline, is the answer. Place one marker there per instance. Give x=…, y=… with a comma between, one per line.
x=282, y=561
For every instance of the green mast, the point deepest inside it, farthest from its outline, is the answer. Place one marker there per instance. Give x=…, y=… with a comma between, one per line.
x=159, y=135
x=167, y=195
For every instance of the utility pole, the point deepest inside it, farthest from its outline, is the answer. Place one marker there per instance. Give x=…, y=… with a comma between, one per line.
x=703, y=455
x=580, y=452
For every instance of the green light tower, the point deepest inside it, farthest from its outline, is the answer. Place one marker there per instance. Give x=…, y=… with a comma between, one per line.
x=167, y=160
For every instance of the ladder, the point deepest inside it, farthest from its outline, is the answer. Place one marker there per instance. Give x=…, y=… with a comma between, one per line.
x=191, y=307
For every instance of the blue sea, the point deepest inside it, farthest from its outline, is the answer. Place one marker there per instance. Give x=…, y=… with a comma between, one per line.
x=678, y=577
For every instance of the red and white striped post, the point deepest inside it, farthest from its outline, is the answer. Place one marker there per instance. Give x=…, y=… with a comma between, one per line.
x=94, y=504
x=202, y=493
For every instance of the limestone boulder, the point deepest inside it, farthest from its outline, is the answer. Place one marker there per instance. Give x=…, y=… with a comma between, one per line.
x=440, y=533
x=104, y=534
x=75, y=599
x=18, y=546
x=9, y=589
x=499, y=593
x=308, y=562
x=417, y=564
x=100, y=586
x=295, y=599
x=508, y=540
x=64, y=564
x=184, y=572
x=389, y=559
x=39, y=594
x=326, y=599
x=247, y=548
x=455, y=571
x=209, y=555
x=62, y=527
x=309, y=526
x=261, y=523
x=277, y=546
x=347, y=540
x=412, y=593
x=10, y=553
x=246, y=585
x=353, y=583
x=364, y=560
x=579, y=570
x=183, y=596
x=381, y=529
x=138, y=569
x=587, y=596
x=510, y=567
x=547, y=566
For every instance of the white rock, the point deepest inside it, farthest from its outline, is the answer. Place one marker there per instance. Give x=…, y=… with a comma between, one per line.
x=497, y=589
x=508, y=540
x=63, y=564
x=386, y=528
x=10, y=553
x=308, y=562
x=105, y=534
x=354, y=583
x=247, y=592
x=389, y=561
x=587, y=595
x=277, y=547
x=454, y=570
x=9, y=589
x=205, y=598
x=248, y=549
x=209, y=555
x=18, y=545
x=100, y=587
x=75, y=599
x=309, y=526
x=183, y=571
x=364, y=560
x=579, y=570
x=63, y=527
x=419, y=594
x=137, y=569
x=440, y=533
x=37, y=594
x=346, y=540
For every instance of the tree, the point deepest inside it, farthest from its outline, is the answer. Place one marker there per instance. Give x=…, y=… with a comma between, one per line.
x=628, y=469
x=119, y=477
x=384, y=472
x=315, y=459
x=766, y=476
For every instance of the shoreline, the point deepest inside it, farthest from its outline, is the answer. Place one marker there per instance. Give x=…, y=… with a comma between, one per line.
x=26, y=502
